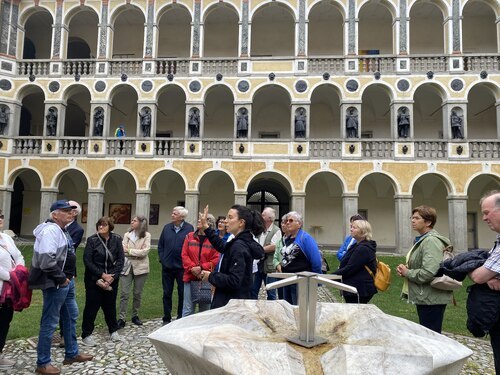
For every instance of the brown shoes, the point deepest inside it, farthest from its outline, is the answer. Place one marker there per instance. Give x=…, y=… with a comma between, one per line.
x=78, y=358
x=48, y=369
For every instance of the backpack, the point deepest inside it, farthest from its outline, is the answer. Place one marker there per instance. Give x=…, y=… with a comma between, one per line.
x=382, y=277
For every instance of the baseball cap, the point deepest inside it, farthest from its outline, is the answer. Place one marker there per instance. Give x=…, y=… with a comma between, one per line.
x=61, y=204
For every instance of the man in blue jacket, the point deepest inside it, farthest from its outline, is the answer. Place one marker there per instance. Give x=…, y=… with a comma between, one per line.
x=169, y=251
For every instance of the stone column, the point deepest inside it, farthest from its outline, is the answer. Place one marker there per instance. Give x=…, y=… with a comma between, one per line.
x=61, y=114
x=149, y=30
x=244, y=30
x=14, y=110
x=456, y=27
x=152, y=105
x=404, y=238
x=5, y=8
x=103, y=31
x=196, y=30
x=107, y=118
x=457, y=221
x=298, y=204
x=142, y=202
x=5, y=203
x=48, y=196
x=343, y=111
x=497, y=107
x=56, y=33
x=13, y=29
x=248, y=107
x=192, y=203
x=403, y=28
x=395, y=107
x=349, y=208
x=201, y=109
x=240, y=197
x=307, y=108
x=448, y=107
x=301, y=31
x=95, y=208
x=352, y=29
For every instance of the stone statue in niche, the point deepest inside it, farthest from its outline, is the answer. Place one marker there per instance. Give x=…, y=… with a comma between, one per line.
x=51, y=122
x=4, y=119
x=351, y=122
x=300, y=123
x=98, y=121
x=145, y=116
x=456, y=124
x=242, y=123
x=403, y=122
x=194, y=123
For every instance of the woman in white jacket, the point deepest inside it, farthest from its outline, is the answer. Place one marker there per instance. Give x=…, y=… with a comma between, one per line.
x=10, y=257
x=136, y=245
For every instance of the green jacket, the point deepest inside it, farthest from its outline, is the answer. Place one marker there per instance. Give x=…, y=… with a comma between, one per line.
x=423, y=263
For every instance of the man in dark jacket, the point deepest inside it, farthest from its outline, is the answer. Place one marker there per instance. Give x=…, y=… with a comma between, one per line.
x=489, y=272
x=169, y=252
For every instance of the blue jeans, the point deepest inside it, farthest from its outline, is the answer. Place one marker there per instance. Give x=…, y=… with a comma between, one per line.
x=290, y=294
x=58, y=302
x=258, y=277
x=188, y=306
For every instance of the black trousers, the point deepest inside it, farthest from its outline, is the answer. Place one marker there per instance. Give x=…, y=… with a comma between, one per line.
x=495, y=345
x=431, y=316
x=168, y=276
x=354, y=299
x=6, y=314
x=97, y=298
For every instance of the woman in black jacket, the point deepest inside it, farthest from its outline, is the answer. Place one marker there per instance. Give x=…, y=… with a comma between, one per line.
x=233, y=277
x=356, y=259
x=103, y=258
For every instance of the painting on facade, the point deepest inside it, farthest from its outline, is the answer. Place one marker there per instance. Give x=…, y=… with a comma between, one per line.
x=85, y=208
x=120, y=212
x=154, y=214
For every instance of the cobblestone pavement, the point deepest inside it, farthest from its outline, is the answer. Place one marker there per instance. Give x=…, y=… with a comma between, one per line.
x=136, y=355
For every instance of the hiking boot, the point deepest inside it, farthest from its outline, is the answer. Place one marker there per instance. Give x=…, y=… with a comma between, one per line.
x=81, y=357
x=48, y=369
x=6, y=363
x=115, y=337
x=121, y=323
x=89, y=341
x=61, y=344
x=136, y=321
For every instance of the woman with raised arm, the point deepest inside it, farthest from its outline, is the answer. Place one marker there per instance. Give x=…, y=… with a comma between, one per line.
x=233, y=276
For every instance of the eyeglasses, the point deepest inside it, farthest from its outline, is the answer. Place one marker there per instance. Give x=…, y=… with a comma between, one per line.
x=103, y=225
x=290, y=220
x=1, y=216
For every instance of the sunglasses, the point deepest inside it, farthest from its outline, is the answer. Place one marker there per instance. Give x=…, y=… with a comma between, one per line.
x=290, y=220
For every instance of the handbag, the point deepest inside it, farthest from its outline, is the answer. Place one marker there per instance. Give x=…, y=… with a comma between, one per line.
x=445, y=283
x=382, y=278
x=201, y=291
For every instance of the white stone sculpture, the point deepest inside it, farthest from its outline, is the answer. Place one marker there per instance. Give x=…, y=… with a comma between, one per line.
x=249, y=337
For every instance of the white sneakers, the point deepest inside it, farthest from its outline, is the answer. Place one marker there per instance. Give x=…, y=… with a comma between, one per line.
x=6, y=363
x=89, y=341
x=115, y=337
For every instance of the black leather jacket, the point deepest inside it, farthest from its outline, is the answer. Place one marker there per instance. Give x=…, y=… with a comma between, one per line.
x=94, y=257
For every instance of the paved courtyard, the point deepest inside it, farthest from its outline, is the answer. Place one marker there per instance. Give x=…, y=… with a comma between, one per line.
x=136, y=355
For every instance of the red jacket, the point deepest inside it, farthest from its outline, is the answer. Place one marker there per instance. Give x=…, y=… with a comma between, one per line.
x=191, y=256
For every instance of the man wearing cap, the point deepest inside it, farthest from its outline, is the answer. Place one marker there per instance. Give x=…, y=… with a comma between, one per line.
x=53, y=269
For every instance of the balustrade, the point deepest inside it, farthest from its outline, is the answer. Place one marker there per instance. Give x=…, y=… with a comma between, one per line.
x=377, y=149
x=223, y=66
x=169, y=147
x=424, y=64
x=382, y=64
x=78, y=67
x=320, y=65
x=121, y=146
x=324, y=149
x=480, y=63
x=175, y=67
x=431, y=149
x=28, y=146
x=73, y=146
x=484, y=149
x=219, y=148
x=33, y=67
x=123, y=66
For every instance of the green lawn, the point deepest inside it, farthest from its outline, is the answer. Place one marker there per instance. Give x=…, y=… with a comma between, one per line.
x=26, y=323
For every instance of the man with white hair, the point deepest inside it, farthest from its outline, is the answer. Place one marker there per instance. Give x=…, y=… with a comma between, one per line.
x=489, y=272
x=53, y=268
x=169, y=252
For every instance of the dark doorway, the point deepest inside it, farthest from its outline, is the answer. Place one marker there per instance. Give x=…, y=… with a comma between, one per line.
x=78, y=48
x=268, y=193
x=29, y=52
x=25, y=123
x=16, y=207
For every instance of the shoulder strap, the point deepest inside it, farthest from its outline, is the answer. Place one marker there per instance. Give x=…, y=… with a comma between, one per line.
x=270, y=235
x=11, y=257
x=108, y=253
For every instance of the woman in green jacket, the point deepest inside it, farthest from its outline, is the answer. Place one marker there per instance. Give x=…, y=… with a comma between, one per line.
x=422, y=263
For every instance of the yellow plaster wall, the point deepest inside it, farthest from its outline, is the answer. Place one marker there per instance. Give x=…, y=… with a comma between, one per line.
x=192, y=170
x=297, y=172
x=351, y=172
x=3, y=170
x=404, y=173
x=49, y=168
x=459, y=174
x=242, y=171
x=143, y=169
x=95, y=169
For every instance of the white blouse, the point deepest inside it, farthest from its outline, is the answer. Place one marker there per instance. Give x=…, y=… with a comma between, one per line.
x=8, y=248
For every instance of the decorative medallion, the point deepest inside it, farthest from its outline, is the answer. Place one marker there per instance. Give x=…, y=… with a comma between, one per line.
x=377, y=75
x=326, y=76
x=170, y=77
x=195, y=86
x=54, y=86
x=483, y=74
x=403, y=85
x=5, y=85
x=147, y=86
x=272, y=76
x=32, y=78
x=77, y=77
x=100, y=86
x=301, y=86
x=243, y=86
x=430, y=74
x=218, y=77
x=124, y=77
x=352, y=85
x=457, y=85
